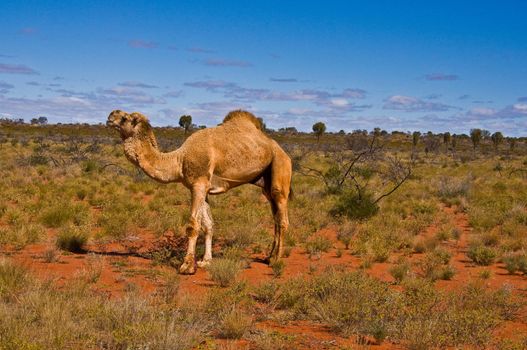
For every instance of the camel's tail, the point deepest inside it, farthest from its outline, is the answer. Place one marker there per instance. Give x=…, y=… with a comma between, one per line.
x=291, y=196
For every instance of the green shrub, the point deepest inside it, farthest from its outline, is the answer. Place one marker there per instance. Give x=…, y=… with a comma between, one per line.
x=21, y=235
x=278, y=267
x=442, y=254
x=350, y=303
x=266, y=292
x=90, y=166
x=317, y=244
x=456, y=233
x=367, y=262
x=13, y=280
x=435, y=264
x=447, y=272
x=424, y=244
x=490, y=239
x=72, y=239
x=287, y=251
x=59, y=215
x=272, y=340
x=223, y=271
x=81, y=193
x=236, y=253
x=234, y=324
x=380, y=253
x=515, y=262
x=400, y=271
x=449, y=187
x=481, y=255
x=346, y=232
x=115, y=224
x=485, y=274
x=355, y=206
x=50, y=255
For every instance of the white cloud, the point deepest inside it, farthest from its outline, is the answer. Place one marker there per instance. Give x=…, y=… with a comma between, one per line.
x=339, y=102
x=520, y=108
x=482, y=112
x=413, y=104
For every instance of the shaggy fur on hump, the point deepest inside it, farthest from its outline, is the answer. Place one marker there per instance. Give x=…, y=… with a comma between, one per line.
x=240, y=115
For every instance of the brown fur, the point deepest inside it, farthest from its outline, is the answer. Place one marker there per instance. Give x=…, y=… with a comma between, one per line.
x=212, y=161
x=240, y=116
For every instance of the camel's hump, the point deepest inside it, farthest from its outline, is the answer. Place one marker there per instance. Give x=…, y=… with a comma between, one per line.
x=239, y=115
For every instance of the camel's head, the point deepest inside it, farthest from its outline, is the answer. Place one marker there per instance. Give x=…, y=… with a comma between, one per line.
x=128, y=125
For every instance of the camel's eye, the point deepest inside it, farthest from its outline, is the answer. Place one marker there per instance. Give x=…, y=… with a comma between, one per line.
x=123, y=119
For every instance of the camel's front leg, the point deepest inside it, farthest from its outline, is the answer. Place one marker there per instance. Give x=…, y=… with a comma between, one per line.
x=198, y=198
x=206, y=226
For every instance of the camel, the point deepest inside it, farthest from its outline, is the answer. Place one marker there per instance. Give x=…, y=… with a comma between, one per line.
x=212, y=161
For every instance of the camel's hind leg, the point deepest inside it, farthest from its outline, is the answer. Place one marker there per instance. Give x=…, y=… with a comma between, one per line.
x=206, y=225
x=278, y=194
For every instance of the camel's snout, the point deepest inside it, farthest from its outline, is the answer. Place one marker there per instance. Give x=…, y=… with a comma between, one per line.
x=113, y=119
x=111, y=123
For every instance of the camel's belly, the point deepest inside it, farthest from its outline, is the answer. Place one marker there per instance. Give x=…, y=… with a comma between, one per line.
x=220, y=184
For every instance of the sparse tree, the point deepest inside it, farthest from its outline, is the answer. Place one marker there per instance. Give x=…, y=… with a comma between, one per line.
x=497, y=139
x=185, y=121
x=262, y=124
x=512, y=143
x=39, y=121
x=475, y=137
x=432, y=143
x=453, y=143
x=289, y=130
x=319, y=129
x=415, y=138
x=416, y=135
x=446, y=139
x=350, y=170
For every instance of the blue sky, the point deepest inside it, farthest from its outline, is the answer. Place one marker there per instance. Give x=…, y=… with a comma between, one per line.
x=399, y=65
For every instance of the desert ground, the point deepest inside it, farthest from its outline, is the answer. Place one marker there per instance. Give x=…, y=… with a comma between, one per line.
x=396, y=241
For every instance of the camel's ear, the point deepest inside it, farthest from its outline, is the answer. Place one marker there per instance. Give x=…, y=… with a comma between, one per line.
x=135, y=118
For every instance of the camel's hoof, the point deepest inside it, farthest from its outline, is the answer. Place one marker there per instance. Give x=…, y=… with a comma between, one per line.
x=188, y=267
x=204, y=263
x=270, y=260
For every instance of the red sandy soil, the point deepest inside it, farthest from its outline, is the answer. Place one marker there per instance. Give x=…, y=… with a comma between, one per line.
x=121, y=270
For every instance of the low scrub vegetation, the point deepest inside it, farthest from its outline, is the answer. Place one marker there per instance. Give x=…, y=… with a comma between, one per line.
x=420, y=315
x=62, y=187
x=72, y=239
x=224, y=271
x=481, y=254
x=76, y=317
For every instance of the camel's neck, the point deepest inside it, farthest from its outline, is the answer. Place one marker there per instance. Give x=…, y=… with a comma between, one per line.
x=144, y=152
